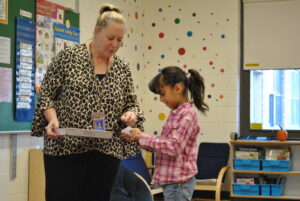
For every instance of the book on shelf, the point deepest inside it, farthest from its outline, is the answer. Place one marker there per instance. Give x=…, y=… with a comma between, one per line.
x=246, y=155
x=245, y=181
x=277, y=154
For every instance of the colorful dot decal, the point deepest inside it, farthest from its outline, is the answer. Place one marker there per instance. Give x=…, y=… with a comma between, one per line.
x=161, y=35
x=204, y=48
x=221, y=96
x=177, y=21
x=162, y=56
x=160, y=9
x=194, y=14
x=223, y=36
x=222, y=70
x=149, y=47
x=189, y=33
x=211, y=63
x=153, y=24
x=181, y=51
x=136, y=15
x=161, y=116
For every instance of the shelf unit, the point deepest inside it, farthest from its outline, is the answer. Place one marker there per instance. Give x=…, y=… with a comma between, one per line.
x=291, y=191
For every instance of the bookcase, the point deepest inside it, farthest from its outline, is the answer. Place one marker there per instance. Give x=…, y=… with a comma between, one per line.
x=287, y=191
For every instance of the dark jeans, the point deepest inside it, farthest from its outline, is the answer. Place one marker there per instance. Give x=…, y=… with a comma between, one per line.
x=80, y=177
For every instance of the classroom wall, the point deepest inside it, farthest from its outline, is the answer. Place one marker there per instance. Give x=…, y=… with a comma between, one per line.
x=208, y=30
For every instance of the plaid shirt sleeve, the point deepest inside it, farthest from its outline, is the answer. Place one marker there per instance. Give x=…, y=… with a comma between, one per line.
x=175, y=135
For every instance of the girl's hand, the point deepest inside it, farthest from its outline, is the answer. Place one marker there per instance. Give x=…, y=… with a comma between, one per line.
x=134, y=135
x=51, y=128
x=129, y=118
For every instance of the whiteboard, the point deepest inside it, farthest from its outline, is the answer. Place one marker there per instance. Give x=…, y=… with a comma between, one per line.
x=272, y=34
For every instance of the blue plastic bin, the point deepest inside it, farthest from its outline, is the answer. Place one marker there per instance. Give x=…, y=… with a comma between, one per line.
x=265, y=189
x=246, y=164
x=276, y=189
x=245, y=189
x=276, y=165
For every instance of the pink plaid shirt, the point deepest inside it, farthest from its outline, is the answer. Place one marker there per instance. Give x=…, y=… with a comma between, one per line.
x=176, y=148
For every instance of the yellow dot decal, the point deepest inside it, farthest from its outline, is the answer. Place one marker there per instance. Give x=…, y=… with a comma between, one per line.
x=161, y=116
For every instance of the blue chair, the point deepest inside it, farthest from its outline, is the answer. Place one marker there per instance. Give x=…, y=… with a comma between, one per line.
x=129, y=186
x=138, y=165
x=212, y=163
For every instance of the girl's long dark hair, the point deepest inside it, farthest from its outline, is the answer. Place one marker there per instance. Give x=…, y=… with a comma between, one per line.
x=192, y=81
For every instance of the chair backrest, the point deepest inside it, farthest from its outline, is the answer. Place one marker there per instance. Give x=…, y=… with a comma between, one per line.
x=129, y=186
x=137, y=164
x=211, y=158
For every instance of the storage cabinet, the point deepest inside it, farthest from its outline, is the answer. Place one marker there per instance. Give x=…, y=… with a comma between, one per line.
x=263, y=168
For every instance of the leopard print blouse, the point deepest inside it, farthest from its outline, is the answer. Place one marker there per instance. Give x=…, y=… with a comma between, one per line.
x=71, y=87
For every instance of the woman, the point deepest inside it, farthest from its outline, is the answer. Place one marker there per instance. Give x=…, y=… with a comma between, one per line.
x=83, y=82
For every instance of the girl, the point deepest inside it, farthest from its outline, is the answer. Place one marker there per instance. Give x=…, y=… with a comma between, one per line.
x=175, y=164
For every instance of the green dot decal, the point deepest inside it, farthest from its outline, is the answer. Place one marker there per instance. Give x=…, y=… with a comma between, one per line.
x=177, y=21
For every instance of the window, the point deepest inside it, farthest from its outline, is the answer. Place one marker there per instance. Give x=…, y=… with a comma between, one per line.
x=275, y=99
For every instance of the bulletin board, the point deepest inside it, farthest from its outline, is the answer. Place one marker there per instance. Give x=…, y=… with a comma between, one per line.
x=8, y=124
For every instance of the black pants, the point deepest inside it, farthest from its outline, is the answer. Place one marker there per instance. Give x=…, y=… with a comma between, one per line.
x=80, y=177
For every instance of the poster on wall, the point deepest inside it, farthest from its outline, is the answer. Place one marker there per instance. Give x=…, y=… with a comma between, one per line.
x=64, y=36
x=4, y=11
x=47, y=14
x=25, y=67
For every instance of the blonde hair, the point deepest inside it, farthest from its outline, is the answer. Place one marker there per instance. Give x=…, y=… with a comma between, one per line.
x=109, y=12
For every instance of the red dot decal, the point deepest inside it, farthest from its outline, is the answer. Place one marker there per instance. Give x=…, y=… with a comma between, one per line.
x=136, y=15
x=181, y=51
x=211, y=63
x=222, y=70
x=161, y=35
x=184, y=66
x=204, y=48
x=149, y=47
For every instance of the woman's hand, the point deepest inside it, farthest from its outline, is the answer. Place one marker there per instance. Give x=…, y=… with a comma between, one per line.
x=51, y=128
x=134, y=135
x=129, y=118
x=53, y=124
